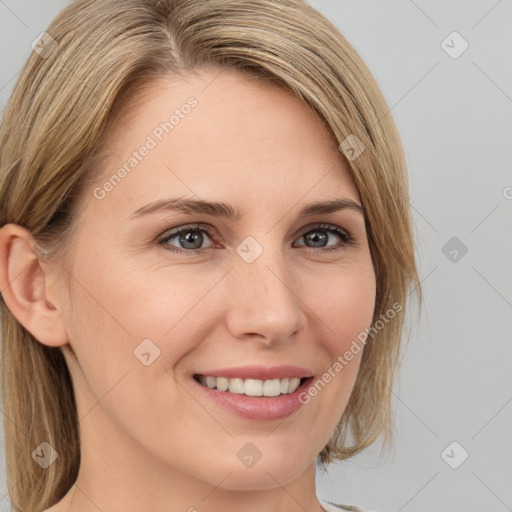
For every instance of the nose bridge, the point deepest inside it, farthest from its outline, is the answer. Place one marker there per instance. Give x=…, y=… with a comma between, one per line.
x=264, y=299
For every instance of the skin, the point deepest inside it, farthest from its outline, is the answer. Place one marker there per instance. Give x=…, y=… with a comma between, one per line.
x=150, y=439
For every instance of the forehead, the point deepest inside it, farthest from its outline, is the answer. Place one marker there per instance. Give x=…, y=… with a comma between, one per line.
x=226, y=103
x=209, y=130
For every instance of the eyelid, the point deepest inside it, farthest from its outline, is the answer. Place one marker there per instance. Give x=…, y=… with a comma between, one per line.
x=172, y=232
x=345, y=234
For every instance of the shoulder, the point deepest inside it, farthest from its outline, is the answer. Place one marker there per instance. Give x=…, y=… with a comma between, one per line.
x=334, y=507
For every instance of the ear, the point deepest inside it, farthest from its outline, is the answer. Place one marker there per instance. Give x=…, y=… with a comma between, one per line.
x=25, y=287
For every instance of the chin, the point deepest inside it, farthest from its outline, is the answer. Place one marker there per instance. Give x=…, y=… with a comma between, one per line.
x=267, y=473
x=259, y=479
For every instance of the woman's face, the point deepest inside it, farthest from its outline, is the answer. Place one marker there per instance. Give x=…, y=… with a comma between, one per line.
x=271, y=287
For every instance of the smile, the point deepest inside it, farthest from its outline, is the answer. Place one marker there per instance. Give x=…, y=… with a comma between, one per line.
x=251, y=387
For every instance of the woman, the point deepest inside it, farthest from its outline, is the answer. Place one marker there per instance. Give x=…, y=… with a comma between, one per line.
x=205, y=254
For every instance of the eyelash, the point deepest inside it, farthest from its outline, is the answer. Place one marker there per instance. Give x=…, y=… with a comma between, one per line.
x=347, y=239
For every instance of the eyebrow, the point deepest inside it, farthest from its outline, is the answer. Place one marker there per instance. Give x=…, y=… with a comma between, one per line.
x=191, y=206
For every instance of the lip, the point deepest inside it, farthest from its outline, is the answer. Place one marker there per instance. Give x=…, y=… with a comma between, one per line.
x=256, y=408
x=259, y=372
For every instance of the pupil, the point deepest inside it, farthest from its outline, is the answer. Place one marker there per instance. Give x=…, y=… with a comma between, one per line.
x=191, y=237
x=315, y=237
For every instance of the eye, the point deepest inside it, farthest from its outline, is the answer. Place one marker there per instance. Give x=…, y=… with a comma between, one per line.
x=319, y=237
x=190, y=238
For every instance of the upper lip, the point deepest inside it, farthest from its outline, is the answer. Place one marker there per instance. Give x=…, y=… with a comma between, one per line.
x=259, y=372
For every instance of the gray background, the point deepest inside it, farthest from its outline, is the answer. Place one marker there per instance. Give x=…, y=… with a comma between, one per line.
x=454, y=115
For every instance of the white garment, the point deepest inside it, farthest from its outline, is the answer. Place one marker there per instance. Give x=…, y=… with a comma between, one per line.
x=334, y=507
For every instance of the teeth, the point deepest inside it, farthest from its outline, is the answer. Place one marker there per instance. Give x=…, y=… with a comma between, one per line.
x=211, y=382
x=222, y=383
x=252, y=387
x=236, y=386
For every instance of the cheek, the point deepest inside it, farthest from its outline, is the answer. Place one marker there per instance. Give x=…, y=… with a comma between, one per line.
x=345, y=303
x=343, y=308
x=117, y=308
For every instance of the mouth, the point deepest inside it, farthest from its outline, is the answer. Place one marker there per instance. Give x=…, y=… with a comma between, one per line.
x=253, y=387
x=254, y=399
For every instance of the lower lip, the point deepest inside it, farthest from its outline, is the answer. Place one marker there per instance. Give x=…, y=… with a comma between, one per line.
x=258, y=408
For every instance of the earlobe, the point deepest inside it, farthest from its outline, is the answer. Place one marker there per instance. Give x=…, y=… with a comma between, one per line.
x=24, y=287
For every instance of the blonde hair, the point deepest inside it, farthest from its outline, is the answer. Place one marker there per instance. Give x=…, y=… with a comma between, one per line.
x=61, y=107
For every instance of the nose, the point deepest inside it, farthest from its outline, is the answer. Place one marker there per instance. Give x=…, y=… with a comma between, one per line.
x=264, y=300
